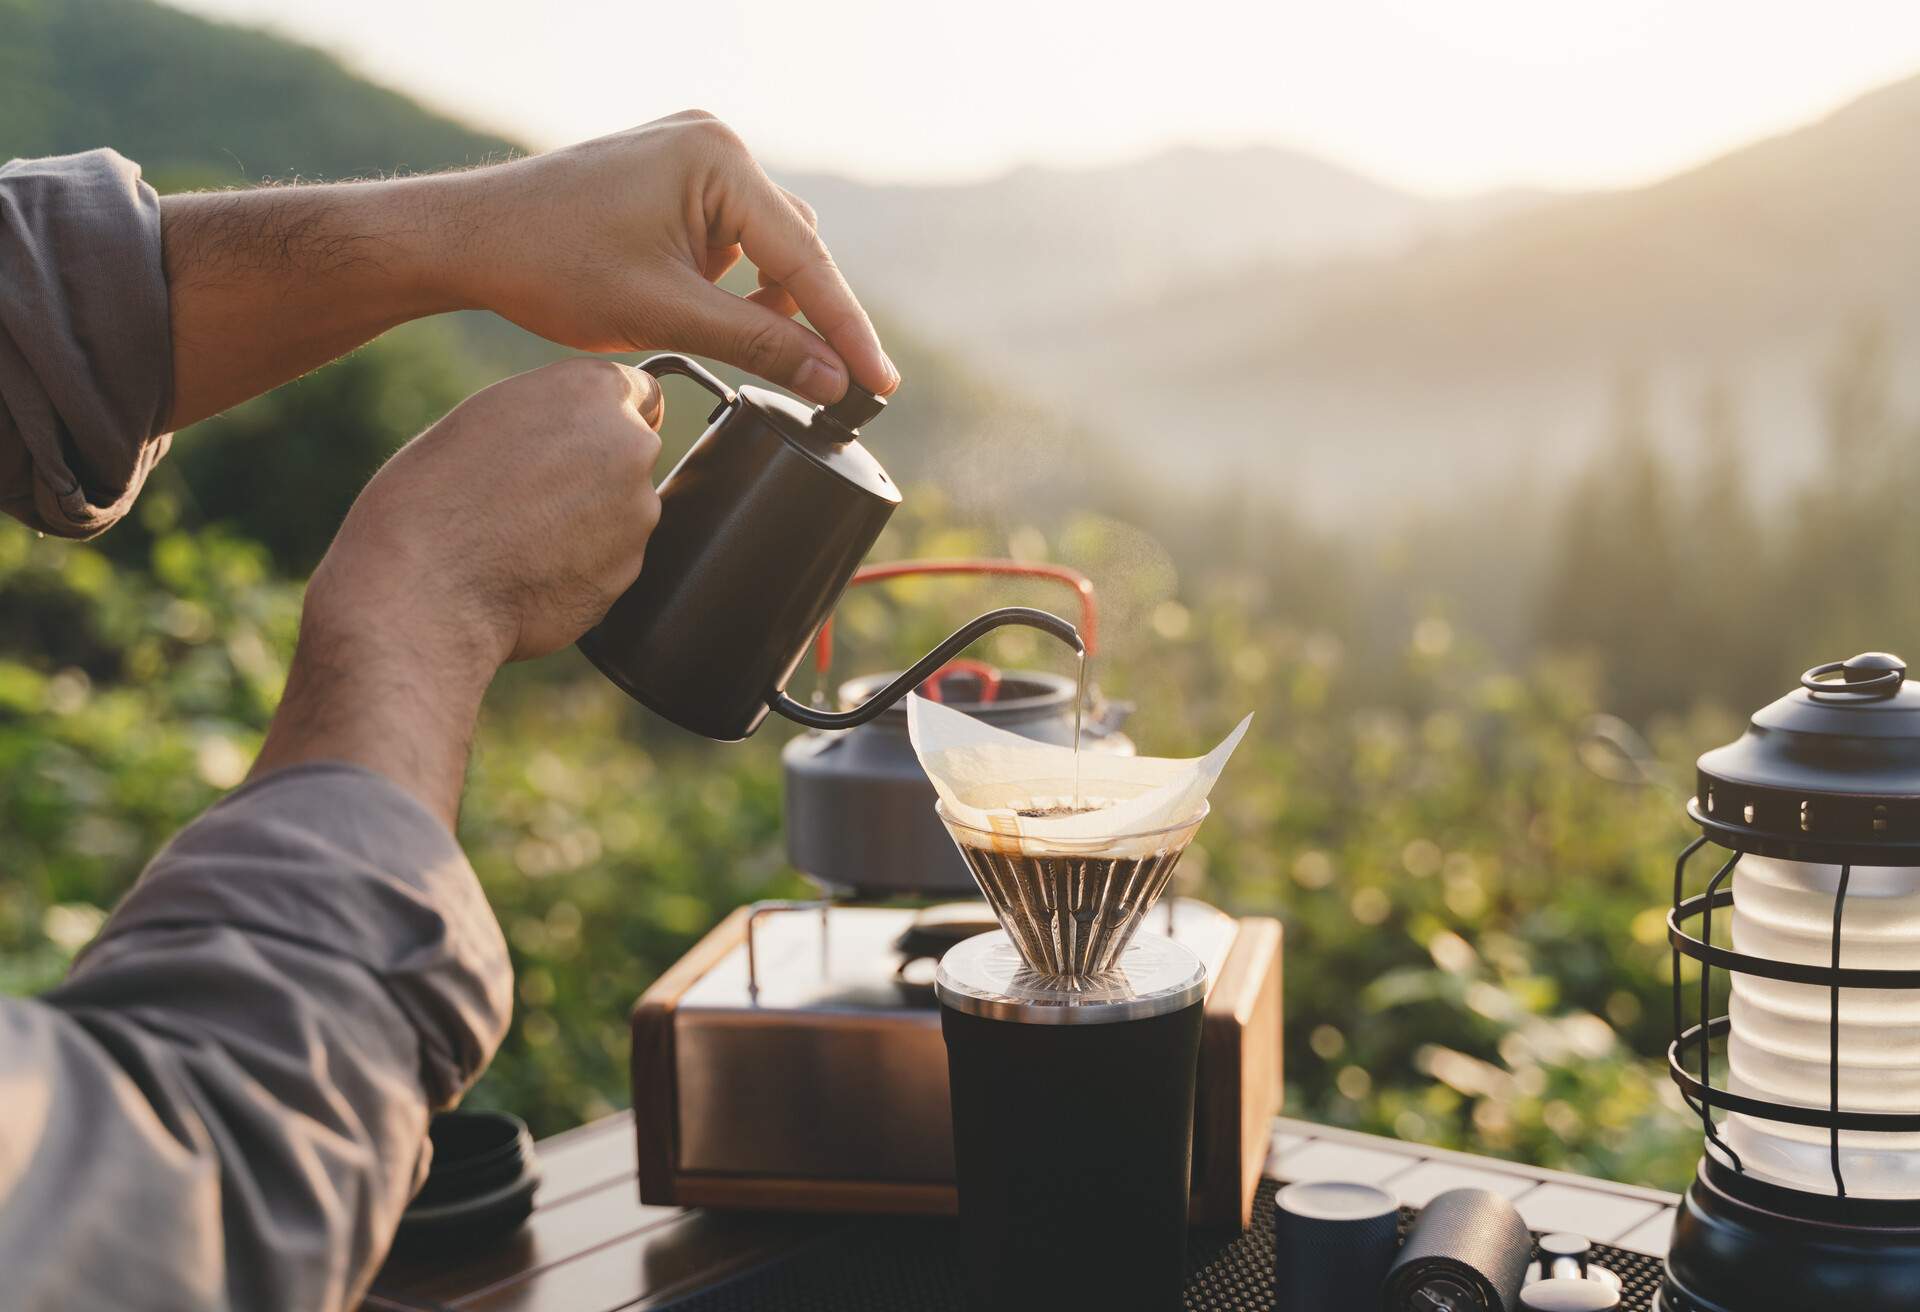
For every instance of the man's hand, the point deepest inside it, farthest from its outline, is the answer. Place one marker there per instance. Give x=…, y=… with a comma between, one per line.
x=614, y=245
x=608, y=246
x=503, y=532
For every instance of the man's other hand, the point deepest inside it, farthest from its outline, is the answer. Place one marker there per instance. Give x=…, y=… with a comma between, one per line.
x=512, y=523
x=503, y=532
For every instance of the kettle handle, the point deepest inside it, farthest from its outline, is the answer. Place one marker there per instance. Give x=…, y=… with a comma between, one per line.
x=1073, y=578
x=957, y=641
x=662, y=365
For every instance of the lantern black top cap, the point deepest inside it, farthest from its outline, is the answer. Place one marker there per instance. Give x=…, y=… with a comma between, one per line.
x=1830, y=772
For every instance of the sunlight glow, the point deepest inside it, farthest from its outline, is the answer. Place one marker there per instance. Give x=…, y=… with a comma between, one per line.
x=1450, y=97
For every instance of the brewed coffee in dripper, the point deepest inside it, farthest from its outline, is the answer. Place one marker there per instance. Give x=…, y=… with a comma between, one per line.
x=1071, y=906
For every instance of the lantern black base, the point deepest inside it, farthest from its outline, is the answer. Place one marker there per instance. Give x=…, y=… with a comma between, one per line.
x=1740, y=1245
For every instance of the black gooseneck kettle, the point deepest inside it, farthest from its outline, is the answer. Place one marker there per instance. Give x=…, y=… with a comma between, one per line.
x=762, y=524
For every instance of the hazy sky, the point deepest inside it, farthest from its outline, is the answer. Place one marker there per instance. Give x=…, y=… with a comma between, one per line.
x=1443, y=95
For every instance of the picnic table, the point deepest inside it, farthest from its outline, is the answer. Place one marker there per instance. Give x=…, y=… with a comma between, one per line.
x=592, y=1246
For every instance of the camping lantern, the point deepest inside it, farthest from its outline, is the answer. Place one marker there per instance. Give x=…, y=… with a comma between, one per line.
x=1808, y=1196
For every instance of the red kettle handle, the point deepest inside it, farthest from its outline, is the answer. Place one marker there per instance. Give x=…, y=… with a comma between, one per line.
x=1073, y=578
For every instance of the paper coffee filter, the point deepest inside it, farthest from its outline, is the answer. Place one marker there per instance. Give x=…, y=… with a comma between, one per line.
x=986, y=776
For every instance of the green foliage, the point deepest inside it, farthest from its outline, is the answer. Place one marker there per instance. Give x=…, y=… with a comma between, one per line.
x=282, y=469
x=128, y=702
x=1474, y=916
x=1472, y=958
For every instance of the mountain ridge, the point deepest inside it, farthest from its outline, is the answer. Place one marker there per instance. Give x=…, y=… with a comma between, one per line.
x=1468, y=353
x=965, y=255
x=1314, y=334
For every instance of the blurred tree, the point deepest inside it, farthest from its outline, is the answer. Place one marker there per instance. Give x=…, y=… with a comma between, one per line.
x=1853, y=531
x=1729, y=572
x=1617, y=583
x=282, y=469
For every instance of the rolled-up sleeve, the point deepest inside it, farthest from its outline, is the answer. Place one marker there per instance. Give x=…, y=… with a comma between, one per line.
x=225, y=1105
x=86, y=357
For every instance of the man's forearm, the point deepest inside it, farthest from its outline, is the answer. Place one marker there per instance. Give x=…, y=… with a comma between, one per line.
x=382, y=680
x=269, y=283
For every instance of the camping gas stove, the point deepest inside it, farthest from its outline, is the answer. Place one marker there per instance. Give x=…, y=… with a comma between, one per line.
x=793, y=1059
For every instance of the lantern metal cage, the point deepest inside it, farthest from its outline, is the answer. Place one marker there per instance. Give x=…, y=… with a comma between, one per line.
x=1693, y=1044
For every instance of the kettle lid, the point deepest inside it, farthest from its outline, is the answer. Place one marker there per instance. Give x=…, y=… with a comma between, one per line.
x=818, y=434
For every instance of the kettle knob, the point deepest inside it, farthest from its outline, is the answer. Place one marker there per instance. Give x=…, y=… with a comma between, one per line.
x=855, y=408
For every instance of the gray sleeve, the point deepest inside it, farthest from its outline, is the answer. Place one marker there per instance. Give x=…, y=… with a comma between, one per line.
x=86, y=351
x=225, y=1104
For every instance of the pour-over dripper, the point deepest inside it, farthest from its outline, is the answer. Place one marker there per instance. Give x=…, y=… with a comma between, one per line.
x=1071, y=906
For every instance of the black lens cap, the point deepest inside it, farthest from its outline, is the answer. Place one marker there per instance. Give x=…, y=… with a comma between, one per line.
x=480, y=1185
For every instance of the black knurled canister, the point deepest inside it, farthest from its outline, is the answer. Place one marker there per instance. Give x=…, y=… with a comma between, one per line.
x=1467, y=1244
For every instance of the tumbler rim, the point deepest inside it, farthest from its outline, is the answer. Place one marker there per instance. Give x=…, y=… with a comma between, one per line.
x=984, y=976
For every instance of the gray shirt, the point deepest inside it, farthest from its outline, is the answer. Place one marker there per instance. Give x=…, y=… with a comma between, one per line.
x=86, y=357
x=225, y=1104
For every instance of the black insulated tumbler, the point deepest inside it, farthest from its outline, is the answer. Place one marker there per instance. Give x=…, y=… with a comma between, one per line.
x=1073, y=1124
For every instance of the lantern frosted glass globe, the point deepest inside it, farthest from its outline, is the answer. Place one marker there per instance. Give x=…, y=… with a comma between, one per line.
x=1780, y=1042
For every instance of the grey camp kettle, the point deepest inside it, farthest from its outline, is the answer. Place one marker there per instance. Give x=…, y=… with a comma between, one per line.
x=762, y=525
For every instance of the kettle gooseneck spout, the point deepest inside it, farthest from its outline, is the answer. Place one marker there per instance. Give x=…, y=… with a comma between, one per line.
x=956, y=642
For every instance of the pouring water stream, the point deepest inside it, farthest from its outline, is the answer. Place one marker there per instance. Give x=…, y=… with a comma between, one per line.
x=1079, y=715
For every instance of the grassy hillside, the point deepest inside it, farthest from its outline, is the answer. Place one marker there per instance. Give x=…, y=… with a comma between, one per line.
x=202, y=103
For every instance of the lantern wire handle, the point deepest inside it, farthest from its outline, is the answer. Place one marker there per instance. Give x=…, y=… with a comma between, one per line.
x=1833, y=1059
x=1706, y=1009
